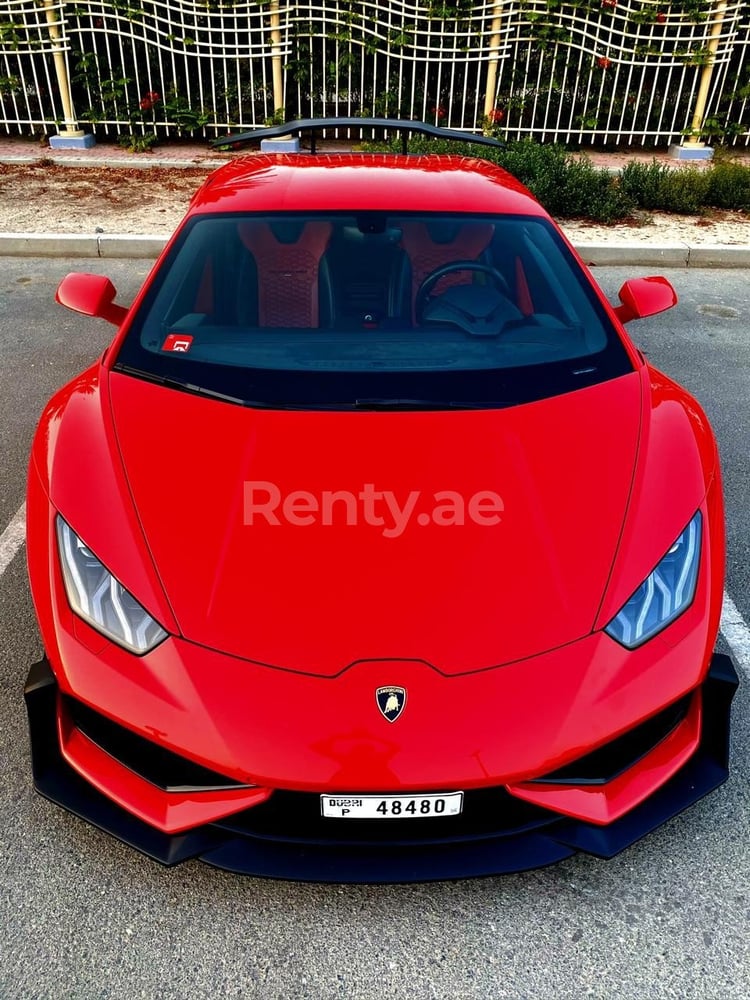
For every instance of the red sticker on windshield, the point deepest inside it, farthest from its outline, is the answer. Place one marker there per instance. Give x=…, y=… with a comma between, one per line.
x=177, y=342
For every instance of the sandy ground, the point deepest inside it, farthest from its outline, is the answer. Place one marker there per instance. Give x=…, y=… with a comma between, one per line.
x=716, y=228
x=50, y=198
x=43, y=197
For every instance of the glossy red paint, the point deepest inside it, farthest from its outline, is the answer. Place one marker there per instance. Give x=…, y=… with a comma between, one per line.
x=605, y=803
x=336, y=183
x=75, y=462
x=171, y=812
x=474, y=593
x=91, y=295
x=279, y=634
x=327, y=733
x=641, y=297
x=678, y=465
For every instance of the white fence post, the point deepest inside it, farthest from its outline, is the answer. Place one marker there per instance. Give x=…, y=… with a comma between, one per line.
x=699, y=112
x=276, y=66
x=493, y=59
x=70, y=136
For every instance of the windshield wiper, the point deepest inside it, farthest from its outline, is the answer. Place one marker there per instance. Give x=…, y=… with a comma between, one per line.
x=196, y=390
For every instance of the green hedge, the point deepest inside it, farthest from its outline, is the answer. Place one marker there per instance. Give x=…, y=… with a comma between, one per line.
x=657, y=186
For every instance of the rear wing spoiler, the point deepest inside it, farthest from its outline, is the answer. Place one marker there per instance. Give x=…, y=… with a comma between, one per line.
x=311, y=125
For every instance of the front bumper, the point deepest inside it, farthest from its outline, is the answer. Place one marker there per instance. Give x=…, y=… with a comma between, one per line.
x=285, y=837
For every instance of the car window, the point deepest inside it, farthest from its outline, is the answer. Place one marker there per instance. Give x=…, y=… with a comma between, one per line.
x=331, y=309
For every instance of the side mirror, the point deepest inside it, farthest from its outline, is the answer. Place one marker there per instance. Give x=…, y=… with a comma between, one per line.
x=641, y=297
x=91, y=295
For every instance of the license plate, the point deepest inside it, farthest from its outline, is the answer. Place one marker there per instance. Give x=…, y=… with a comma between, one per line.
x=391, y=806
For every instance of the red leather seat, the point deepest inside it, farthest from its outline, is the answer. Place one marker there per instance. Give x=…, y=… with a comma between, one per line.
x=287, y=256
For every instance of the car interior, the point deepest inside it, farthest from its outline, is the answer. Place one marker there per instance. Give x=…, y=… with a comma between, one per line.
x=375, y=289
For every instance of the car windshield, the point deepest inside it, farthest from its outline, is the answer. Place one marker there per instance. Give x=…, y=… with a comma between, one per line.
x=372, y=309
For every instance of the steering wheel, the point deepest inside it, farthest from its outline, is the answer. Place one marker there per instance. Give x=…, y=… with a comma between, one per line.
x=429, y=282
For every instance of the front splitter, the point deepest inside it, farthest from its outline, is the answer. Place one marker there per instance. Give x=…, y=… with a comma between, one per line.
x=287, y=854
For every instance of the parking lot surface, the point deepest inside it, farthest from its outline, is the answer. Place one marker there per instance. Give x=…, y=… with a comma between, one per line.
x=82, y=916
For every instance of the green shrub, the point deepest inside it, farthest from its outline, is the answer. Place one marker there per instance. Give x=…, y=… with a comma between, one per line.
x=642, y=183
x=684, y=190
x=444, y=147
x=590, y=193
x=137, y=142
x=541, y=168
x=729, y=186
x=660, y=187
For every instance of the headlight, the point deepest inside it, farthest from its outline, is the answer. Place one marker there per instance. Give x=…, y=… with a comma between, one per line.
x=664, y=594
x=100, y=599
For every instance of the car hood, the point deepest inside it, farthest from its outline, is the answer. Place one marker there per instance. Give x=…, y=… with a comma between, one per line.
x=357, y=580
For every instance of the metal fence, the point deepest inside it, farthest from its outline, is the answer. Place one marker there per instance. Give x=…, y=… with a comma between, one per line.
x=590, y=71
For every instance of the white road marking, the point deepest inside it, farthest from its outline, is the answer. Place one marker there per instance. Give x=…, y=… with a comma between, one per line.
x=12, y=538
x=733, y=626
x=735, y=630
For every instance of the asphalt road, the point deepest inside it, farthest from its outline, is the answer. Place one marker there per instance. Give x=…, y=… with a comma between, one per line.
x=82, y=917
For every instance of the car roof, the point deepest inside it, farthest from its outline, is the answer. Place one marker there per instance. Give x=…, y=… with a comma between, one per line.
x=361, y=182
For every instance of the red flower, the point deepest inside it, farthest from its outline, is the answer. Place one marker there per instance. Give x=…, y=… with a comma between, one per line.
x=603, y=63
x=661, y=17
x=609, y=3
x=439, y=112
x=149, y=100
x=496, y=116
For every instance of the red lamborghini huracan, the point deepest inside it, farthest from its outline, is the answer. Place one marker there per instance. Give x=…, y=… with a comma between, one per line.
x=372, y=549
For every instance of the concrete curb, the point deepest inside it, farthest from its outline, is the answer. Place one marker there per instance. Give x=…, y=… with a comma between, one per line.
x=95, y=245
x=720, y=256
x=123, y=245
x=665, y=255
x=642, y=254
